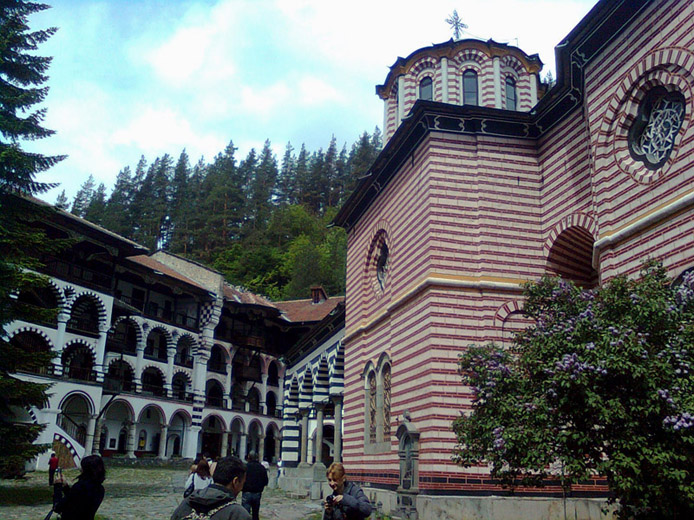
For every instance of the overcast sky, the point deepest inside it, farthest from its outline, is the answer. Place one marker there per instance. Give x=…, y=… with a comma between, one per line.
x=134, y=77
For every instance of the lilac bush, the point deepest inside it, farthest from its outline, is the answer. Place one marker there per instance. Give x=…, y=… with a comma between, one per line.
x=601, y=384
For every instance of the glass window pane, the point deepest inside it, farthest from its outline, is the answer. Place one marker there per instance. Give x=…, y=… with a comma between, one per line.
x=426, y=90
x=470, y=87
x=510, y=94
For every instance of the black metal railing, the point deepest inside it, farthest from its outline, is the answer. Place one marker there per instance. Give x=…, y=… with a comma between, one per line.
x=74, y=430
x=219, y=367
x=183, y=360
x=82, y=374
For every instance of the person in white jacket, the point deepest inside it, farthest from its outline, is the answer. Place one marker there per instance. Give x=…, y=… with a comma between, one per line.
x=199, y=479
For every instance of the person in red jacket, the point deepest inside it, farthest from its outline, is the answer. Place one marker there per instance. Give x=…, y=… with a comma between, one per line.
x=52, y=466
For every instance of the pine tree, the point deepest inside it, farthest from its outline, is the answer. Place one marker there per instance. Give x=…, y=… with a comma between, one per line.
x=96, y=208
x=83, y=197
x=261, y=188
x=61, y=202
x=117, y=211
x=22, y=74
x=286, y=181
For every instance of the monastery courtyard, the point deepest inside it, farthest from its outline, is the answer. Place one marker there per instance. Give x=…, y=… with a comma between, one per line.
x=136, y=493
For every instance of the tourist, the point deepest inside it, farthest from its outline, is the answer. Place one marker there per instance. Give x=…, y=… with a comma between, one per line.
x=348, y=501
x=81, y=501
x=52, y=466
x=199, y=479
x=218, y=500
x=256, y=480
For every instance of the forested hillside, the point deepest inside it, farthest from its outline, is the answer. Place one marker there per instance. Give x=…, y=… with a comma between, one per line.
x=260, y=221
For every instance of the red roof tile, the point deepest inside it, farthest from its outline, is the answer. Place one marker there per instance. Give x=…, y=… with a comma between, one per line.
x=306, y=310
x=239, y=295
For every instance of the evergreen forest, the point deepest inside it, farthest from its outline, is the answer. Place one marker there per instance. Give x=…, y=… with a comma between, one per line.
x=260, y=221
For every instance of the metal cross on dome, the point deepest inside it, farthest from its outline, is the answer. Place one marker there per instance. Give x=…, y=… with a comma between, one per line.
x=456, y=24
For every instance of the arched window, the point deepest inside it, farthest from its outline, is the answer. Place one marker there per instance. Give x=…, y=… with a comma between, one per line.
x=426, y=89
x=511, y=101
x=372, y=407
x=470, y=88
x=385, y=377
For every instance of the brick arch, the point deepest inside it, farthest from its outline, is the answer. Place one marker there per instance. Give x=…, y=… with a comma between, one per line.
x=101, y=307
x=184, y=372
x=422, y=64
x=59, y=295
x=574, y=220
x=571, y=257
x=470, y=55
x=34, y=330
x=511, y=62
x=668, y=67
x=238, y=420
x=382, y=360
x=505, y=310
x=138, y=328
x=258, y=423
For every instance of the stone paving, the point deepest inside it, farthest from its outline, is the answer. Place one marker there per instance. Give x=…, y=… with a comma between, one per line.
x=145, y=494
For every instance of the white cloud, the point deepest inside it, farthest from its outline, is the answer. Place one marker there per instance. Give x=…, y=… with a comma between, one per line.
x=157, y=131
x=315, y=91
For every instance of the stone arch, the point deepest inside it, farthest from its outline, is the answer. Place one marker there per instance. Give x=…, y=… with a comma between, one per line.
x=213, y=426
x=236, y=429
x=322, y=384
x=43, y=297
x=126, y=405
x=154, y=346
x=293, y=396
x=76, y=409
x=181, y=385
x=214, y=393
x=79, y=319
x=152, y=406
x=507, y=308
x=571, y=257
x=253, y=398
x=306, y=392
x=273, y=374
x=255, y=430
x=184, y=414
x=124, y=336
x=79, y=360
x=271, y=403
x=120, y=376
x=219, y=359
x=31, y=339
x=337, y=370
x=272, y=437
x=185, y=346
x=152, y=379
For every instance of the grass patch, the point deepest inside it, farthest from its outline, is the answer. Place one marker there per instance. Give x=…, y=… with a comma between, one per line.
x=26, y=496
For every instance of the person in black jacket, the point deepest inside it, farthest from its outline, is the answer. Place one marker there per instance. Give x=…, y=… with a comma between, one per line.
x=348, y=501
x=81, y=501
x=256, y=480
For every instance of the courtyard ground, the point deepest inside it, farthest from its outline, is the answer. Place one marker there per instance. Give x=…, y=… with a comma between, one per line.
x=136, y=493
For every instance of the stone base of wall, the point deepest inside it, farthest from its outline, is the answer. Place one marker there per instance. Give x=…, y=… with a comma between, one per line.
x=309, y=481
x=490, y=508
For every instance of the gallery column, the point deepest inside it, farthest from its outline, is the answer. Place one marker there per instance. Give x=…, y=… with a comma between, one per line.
x=337, y=399
x=303, y=453
x=318, y=451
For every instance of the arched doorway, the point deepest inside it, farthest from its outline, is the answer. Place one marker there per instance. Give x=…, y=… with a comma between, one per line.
x=212, y=429
x=571, y=257
x=74, y=417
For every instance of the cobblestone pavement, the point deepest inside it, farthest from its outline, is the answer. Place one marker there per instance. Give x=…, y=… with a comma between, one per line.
x=143, y=494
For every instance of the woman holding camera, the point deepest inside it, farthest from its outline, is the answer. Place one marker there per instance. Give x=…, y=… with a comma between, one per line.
x=83, y=499
x=348, y=501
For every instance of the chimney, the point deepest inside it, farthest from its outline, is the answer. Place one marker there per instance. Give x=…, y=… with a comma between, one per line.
x=318, y=294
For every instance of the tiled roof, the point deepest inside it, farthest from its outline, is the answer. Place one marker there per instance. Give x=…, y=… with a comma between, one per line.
x=306, y=310
x=151, y=263
x=239, y=295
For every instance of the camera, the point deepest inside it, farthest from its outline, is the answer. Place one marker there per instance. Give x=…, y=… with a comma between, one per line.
x=330, y=500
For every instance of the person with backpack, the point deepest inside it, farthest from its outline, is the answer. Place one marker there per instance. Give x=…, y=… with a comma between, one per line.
x=218, y=500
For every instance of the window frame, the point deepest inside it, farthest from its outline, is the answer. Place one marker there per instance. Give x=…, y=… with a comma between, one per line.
x=469, y=72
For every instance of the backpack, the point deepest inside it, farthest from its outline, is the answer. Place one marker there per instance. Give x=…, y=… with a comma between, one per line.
x=195, y=515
